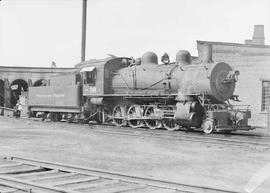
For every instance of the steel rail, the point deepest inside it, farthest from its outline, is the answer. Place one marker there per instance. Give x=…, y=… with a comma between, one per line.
x=190, y=136
x=31, y=187
x=195, y=135
x=116, y=175
x=184, y=137
x=233, y=143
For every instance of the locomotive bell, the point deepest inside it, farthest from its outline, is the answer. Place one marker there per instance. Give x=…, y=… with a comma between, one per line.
x=183, y=57
x=149, y=57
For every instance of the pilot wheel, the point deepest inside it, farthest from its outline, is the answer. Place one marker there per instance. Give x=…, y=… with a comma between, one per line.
x=208, y=126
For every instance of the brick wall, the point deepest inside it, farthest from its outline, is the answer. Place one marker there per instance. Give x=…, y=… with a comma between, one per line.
x=253, y=62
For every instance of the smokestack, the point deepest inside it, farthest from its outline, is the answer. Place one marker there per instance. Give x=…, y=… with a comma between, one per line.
x=206, y=53
x=258, y=35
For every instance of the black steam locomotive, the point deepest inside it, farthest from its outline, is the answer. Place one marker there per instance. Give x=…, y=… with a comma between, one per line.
x=143, y=93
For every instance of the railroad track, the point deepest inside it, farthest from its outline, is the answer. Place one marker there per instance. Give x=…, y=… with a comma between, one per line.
x=239, y=139
x=243, y=139
x=19, y=174
x=231, y=139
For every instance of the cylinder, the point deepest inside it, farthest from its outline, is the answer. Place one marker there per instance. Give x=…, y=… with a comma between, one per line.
x=185, y=116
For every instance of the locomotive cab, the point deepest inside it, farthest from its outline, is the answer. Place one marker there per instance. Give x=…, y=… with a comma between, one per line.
x=89, y=80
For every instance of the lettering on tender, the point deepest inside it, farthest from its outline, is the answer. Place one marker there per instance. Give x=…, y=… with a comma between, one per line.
x=58, y=95
x=44, y=95
x=51, y=96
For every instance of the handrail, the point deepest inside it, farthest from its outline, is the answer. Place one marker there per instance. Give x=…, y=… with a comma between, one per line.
x=225, y=106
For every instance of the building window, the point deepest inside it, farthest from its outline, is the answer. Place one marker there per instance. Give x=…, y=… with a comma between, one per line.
x=265, y=94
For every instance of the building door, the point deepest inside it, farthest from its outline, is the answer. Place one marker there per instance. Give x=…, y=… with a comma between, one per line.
x=7, y=94
x=2, y=93
x=17, y=87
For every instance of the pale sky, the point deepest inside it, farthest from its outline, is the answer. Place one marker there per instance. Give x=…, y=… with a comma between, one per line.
x=37, y=32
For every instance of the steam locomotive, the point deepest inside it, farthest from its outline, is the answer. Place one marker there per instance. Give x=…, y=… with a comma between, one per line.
x=143, y=93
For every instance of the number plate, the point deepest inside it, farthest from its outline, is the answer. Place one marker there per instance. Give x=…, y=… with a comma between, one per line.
x=89, y=90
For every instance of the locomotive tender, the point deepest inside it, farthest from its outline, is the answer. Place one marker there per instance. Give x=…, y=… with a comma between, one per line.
x=144, y=93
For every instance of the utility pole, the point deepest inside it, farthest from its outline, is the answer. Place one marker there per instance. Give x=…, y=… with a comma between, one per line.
x=84, y=16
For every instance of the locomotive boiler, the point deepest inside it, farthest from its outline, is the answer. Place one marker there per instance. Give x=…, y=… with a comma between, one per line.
x=143, y=93
x=216, y=80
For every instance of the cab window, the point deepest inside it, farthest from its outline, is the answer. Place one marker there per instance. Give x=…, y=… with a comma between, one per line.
x=90, y=77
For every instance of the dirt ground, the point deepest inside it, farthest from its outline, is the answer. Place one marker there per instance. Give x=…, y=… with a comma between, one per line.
x=219, y=166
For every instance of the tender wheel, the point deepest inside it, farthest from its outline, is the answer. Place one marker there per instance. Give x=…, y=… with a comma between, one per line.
x=43, y=116
x=55, y=117
x=118, y=116
x=58, y=117
x=52, y=116
x=170, y=124
x=134, y=123
x=208, y=126
x=71, y=117
x=152, y=123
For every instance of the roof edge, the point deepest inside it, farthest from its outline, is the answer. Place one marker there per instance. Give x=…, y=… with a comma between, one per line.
x=232, y=44
x=29, y=67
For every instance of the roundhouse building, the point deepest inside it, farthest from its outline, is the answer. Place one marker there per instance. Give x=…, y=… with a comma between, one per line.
x=15, y=80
